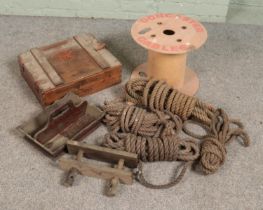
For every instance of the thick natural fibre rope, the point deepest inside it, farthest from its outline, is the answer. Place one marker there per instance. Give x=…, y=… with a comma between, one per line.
x=213, y=147
x=167, y=148
x=121, y=117
x=140, y=177
x=157, y=95
x=150, y=149
x=151, y=135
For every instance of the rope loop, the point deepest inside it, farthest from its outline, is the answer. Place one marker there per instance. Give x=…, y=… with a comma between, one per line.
x=139, y=175
x=191, y=133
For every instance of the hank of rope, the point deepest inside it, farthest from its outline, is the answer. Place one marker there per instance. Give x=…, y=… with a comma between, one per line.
x=150, y=149
x=122, y=117
x=158, y=95
x=213, y=146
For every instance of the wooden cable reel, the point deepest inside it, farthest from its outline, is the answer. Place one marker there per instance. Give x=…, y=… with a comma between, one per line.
x=168, y=38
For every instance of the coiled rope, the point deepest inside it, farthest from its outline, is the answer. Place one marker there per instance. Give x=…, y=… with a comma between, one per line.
x=153, y=135
x=166, y=148
x=120, y=117
x=213, y=147
x=157, y=95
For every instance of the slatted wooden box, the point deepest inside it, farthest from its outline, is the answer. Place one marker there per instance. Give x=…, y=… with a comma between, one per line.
x=80, y=64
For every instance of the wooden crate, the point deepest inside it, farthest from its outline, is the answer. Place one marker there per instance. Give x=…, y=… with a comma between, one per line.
x=80, y=65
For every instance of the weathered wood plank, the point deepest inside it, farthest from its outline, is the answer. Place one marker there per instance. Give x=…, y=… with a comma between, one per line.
x=86, y=41
x=96, y=171
x=50, y=71
x=113, y=185
x=111, y=59
x=36, y=72
x=103, y=153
